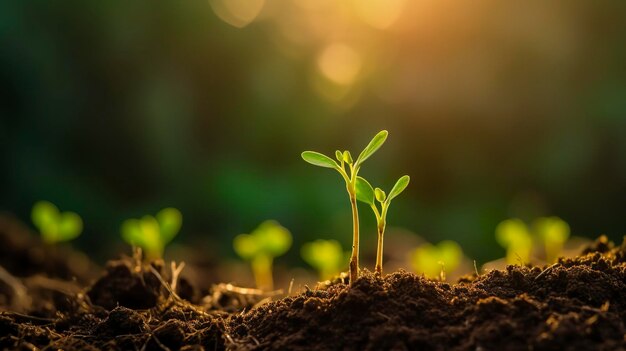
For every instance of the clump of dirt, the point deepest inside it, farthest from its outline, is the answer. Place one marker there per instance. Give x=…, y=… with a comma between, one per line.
x=575, y=304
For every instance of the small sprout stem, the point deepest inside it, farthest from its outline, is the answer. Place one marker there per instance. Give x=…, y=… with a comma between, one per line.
x=262, y=271
x=379, y=250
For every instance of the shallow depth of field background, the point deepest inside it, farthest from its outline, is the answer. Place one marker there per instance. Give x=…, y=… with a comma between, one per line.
x=495, y=110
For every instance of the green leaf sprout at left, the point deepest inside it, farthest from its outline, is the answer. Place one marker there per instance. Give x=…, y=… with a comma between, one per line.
x=55, y=226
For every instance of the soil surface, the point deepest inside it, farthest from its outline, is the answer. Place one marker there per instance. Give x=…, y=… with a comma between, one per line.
x=575, y=304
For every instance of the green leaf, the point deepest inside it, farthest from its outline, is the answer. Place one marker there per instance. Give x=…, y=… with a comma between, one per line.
x=317, y=159
x=380, y=195
x=401, y=184
x=273, y=239
x=246, y=246
x=131, y=232
x=347, y=157
x=170, y=220
x=324, y=255
x=339, y=155
x=70, y=226
x=44, y=213
x=364, y=191
x=374, y=145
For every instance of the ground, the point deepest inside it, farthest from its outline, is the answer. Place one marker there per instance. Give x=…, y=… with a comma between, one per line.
x=575, y=304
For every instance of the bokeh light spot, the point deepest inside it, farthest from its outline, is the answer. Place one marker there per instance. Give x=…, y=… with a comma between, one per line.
x=237, y=13
x=379, y=14
x=340, y=64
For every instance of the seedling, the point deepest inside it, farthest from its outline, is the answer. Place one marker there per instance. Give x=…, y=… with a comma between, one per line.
x=434, y=260
x=513, y=235
x=153, y=233
x=365, y=193
x=554, y=232
x=267, y=241
x=326, y=256
x=349, y=175
x=55, y=226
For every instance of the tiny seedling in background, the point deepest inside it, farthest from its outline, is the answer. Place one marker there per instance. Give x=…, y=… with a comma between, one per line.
x=349, y=175
x=513, y=235
x=153, y=233
x=365, y=193
x=326, y=256
x=267, y=241
x=55, y=226
x=554, y=232
x=434, y=260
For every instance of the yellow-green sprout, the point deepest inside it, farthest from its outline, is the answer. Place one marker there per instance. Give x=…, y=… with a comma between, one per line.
x=513, y=235
x=554, y=232
x=326, y=256
x=349, y=169
x=365, y=193
x=434, y=260
x=153, y=233
x=267, y=241
x=55, y=226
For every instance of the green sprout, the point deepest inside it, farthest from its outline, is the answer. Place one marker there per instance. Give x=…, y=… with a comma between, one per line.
x=513, y=235
x=365, y=193
x=55, y=226
x=434, y=260
x=350, y=178
x=326, y=256
x=267, y=241
x=152, y=233
x=554, y=232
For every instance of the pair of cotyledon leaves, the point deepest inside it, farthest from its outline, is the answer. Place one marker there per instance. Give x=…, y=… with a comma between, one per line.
x=152, y=233
x=55, y=226
x=364, y=191
x=269, y=238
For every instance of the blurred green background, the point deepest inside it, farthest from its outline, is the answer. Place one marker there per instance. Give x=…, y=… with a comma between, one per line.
x=495, y=109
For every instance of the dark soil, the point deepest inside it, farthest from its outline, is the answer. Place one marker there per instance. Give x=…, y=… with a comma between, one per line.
x=576, y=304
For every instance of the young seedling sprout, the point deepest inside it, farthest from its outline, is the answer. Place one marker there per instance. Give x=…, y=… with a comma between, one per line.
x=55, y=226
x=326, y=256
x=513, y=235
x=434, y=261
x=267, y=241
x=365, y=193
x=152, y=233
x=349, y=169
x=554, y=232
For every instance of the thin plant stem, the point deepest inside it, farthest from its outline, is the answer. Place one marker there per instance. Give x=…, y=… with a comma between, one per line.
x=379, y=251
x=354, y=259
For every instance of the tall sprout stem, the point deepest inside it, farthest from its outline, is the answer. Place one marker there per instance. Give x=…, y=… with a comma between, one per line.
x=354, y=259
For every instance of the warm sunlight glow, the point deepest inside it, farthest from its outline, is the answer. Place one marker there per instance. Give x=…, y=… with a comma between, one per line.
x=340, y=64
x=379, y=13
x=237, y=13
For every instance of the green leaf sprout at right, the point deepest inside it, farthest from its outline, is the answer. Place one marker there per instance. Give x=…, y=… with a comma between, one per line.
x=55, y=226
x=326, y=256
x=366, y=194
x=434, y=260
x=153, y=233
x=554, y=232
x=348, y=168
